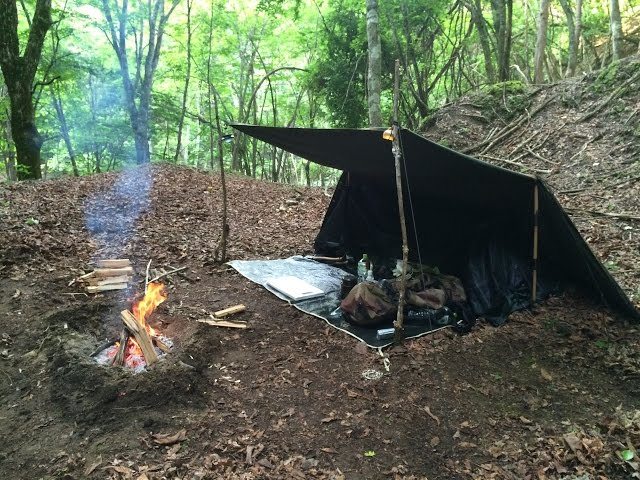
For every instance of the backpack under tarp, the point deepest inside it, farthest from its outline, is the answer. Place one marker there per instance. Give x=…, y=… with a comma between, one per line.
x=369, y=304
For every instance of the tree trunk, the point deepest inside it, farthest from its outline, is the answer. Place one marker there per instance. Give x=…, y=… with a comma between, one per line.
x=616, y=30
x=221, y=249
x=577, y=33
x=97, y=153
x=307, y=172
x=574, y=34
x=141, y=138
x=483, y=37
x=185, y=92
x=541, y=42
x=139, y=87
x=526, y=71
x=64, y=130
x=508, y=38
x=19, y=73
x=502, y=11
x=26, y=137
x=10, y=156
x=374, y=82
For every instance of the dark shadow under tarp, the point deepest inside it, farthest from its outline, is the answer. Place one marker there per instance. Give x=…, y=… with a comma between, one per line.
x=328, y=279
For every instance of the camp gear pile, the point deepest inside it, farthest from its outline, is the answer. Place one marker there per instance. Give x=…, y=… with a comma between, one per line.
x=328, y=279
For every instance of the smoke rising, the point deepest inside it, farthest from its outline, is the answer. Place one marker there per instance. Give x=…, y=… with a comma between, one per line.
x=111, y=215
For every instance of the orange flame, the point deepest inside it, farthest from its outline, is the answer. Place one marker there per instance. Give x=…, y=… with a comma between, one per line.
x=142, y=310
x=155, y=295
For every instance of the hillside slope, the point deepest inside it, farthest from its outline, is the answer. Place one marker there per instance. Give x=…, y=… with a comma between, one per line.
x=582, y=136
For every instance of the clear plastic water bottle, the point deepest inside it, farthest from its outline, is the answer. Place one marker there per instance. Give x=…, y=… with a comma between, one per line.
x=397, y=271
x=370, y=275
x=362, y=268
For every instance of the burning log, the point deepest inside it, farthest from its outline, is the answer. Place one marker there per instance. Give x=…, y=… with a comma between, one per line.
x=141, y=335
x=160, y=344
x=118, y=360
x=138, y=340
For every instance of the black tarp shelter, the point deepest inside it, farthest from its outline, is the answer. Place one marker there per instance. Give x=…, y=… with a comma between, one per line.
x=470, y=218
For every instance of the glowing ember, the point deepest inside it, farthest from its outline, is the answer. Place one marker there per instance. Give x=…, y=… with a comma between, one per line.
x=133, y=357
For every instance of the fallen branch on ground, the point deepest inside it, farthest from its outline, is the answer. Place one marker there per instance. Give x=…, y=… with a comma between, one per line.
x=223, y=323
x=509, y=129
x=584, y=147
x=175, y=270
x=607, y=101
x=540, y=157
x=517, y=164
x=229, y=311
x=621, y=216
x=572, y=191
x=523, y=143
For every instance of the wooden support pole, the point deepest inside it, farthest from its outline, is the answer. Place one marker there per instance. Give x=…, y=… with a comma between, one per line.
x=397, y=154
x=141, y=335
x=534, y=279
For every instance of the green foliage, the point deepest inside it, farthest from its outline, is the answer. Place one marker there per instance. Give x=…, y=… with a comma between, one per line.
x=23, y=170
x=339, y=73
x=505, y=100
x=512, y=87
x=606, y=79
x=612, y=265
x=626, y=455
x=281, y=62
x=280, y=7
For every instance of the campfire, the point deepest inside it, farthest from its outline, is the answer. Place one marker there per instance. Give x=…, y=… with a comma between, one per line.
x=139, y=345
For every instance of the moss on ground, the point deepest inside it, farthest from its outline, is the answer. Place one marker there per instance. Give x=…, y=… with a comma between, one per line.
x=504, y=100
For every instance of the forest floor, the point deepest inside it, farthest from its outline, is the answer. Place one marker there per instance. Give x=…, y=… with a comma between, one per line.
x=550, y=395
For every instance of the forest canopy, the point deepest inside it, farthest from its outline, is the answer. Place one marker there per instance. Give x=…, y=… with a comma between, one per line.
x=91, y=85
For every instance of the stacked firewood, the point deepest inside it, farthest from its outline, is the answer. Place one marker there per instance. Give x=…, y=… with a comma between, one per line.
x=110, y=274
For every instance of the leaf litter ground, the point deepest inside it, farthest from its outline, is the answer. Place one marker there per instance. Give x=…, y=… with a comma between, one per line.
x=552, y=394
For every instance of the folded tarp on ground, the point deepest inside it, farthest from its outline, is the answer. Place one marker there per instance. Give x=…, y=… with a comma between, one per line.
x=328, y=279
